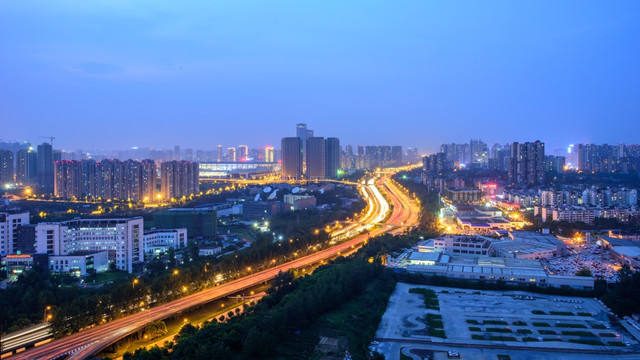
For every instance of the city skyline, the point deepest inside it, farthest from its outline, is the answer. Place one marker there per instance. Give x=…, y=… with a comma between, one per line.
x=417, y=75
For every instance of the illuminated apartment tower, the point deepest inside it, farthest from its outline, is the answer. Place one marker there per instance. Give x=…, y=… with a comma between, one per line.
x=68, y=179
x=6, y=167
x=179, y=178
x=26, y=166
x=291, y=158
x=243, y=152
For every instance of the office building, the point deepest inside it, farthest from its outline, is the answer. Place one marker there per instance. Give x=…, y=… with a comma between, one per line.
x=243, y=153
x=231, y=154
x=176, y=153
x=219, y=153
x=332, y=157
x=268, y=154
x=303, y=134
x=179, y=179
x=158, y=241
x=396, y=155
x=121, y=238
x=6, y=167
x=45, y=166
x=291, y=158
x=9, y=223
x=316, y=158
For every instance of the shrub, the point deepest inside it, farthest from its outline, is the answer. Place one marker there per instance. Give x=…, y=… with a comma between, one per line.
x=524, y=331
x=474, y=328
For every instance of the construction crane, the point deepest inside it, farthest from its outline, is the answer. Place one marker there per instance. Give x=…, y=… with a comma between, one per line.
x=51, y=138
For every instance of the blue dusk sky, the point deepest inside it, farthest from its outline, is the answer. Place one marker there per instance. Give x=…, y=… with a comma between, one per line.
x=115, y=74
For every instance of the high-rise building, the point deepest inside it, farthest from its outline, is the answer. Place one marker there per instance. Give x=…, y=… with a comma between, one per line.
x=26, y=166
x=6, y=167
x=243, y=152
x=303, y=133
x=332, y=157
x=478, y=153
x=231, y=154
x=396, y=155
x=68, y=179
x=316, y=158
x=219, y=153
x=45, y=166
x=526, y=163
x=291, y=158
x=268, y=154
x=176, y=153
x=179, y=179
x=148, y=180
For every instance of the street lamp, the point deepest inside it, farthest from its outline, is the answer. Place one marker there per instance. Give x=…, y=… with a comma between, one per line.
x=135, y=281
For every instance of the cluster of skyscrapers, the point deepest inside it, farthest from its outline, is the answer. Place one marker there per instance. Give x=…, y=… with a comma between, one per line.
x=28, y=167
x=314, y=157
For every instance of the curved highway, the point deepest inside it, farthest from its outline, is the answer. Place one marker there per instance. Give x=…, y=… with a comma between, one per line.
x=87, y=342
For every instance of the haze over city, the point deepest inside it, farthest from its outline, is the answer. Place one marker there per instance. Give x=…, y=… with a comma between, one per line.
x=155, y=74
x=361, y=180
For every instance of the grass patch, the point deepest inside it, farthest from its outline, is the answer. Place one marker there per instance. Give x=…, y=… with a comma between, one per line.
x=474, y=328
x=573, y=326
x=581, y=313
x=541, y=324
x=524, y=331
x=495, y=322
x=615, y=343
x=499, y=330
x=563, y=313
x=477, y=337
x=430, y=297
x=598, y=326
x=588, y=342
x=607, y=335
x=577, y=333
x=537, y=312
x=502, y=338
x=529, y=338
x=436, y=328
x=474, y=322
x=519, y=323
x=547, y=332
x=551, y=339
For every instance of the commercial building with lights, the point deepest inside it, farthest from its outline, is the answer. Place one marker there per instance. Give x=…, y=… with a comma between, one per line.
x=121, y=238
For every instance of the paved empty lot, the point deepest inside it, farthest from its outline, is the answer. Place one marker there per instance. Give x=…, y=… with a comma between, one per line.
x=481, y=323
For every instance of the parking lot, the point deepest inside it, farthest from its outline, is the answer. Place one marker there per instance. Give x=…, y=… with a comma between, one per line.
x=502, y=319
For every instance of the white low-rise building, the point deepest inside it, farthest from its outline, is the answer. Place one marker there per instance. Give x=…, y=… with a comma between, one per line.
x=79, y=264
x=158, y=241
x=8, y=224
x=121, y=238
